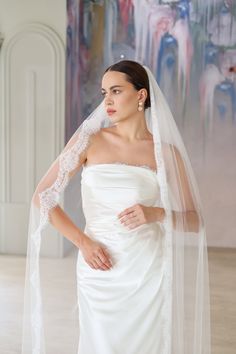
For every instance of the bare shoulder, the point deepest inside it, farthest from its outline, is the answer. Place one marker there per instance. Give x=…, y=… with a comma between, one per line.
x=99, y=146
x=95, y=148
x=101, y=133
x=94, y=138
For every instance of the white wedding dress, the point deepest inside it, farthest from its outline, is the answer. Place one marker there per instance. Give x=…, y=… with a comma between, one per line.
x=120, y=310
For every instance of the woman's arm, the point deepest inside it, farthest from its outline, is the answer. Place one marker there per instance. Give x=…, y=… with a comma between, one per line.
x=93, y=252
x=187, y=219
x=190, y=216
x=140, y=214
x=179, y=185
x=61, y=221
x=57, y=217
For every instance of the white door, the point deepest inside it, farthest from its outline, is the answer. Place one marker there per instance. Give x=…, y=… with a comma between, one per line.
x=32, y=94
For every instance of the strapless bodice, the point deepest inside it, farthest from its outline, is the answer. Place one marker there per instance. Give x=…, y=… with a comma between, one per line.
x=108, y=189
x=121, y=308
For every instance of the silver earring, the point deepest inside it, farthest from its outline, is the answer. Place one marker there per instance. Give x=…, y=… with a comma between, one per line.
x=140, y=106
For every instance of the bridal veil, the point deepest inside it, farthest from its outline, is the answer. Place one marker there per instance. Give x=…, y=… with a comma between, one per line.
x=186, y=311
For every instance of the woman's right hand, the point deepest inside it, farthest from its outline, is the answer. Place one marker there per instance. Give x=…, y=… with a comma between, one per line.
x=94, y=254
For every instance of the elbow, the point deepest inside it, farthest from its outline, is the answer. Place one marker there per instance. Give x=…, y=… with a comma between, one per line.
x=194, y=221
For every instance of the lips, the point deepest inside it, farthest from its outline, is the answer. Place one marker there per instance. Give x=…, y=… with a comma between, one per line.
x=110, y=111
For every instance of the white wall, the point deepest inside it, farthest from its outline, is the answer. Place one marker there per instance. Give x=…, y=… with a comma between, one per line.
x=32, y=87
x=214, y=164
x=49, y=12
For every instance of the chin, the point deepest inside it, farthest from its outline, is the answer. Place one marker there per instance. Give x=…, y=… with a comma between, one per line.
x=114, y=119
x=118, y=119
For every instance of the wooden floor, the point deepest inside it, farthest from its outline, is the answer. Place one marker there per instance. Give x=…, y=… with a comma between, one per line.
x=222, y=266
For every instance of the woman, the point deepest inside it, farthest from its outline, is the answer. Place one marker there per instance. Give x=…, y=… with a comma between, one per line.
x=142, y=274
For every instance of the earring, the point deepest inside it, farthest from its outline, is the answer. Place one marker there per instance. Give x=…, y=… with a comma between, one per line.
x=140, y=104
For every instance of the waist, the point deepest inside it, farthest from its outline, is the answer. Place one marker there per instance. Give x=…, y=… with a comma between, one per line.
x=110, y=228
x=105, y=223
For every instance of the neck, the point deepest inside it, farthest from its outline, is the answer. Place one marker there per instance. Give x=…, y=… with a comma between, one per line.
x=133, y=129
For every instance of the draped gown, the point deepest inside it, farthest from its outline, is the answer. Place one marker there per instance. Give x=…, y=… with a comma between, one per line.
x=120, y=309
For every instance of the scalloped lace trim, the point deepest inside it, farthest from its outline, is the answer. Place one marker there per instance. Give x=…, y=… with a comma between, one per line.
x=121, y=163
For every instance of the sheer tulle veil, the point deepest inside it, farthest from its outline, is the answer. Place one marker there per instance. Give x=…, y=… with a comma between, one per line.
x=186, y=311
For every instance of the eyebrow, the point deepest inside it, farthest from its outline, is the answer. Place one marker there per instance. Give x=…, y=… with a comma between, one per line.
x=102, y=89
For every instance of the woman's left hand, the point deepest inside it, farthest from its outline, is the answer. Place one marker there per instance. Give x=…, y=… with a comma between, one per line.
x=140, y=214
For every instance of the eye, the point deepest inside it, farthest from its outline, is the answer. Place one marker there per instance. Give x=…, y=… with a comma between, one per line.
x=115, y=90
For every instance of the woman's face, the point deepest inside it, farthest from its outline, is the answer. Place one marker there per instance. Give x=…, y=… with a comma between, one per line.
x=120, y=96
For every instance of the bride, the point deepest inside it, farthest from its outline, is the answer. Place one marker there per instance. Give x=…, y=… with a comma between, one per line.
x=142, y=275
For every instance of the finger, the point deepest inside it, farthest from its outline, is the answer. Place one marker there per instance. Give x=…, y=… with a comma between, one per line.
x=106, y=258
x=131, y=222
x=126, y=211
x=96, y=263
x=102, y=265
x=127, y=216
x=90, y=264
x=126, y=220
x=102, y=255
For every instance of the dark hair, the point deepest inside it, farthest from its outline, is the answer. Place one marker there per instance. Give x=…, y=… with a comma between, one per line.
x=135, y=74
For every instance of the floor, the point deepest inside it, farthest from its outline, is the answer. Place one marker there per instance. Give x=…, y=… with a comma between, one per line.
x=222, y=265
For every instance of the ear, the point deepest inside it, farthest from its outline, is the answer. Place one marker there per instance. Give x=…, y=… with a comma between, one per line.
x=142, y=94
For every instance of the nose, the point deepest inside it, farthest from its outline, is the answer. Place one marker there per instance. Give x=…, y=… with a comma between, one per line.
x=108, y=100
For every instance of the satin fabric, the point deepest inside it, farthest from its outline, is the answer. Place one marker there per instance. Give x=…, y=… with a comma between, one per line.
x=120, y=309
